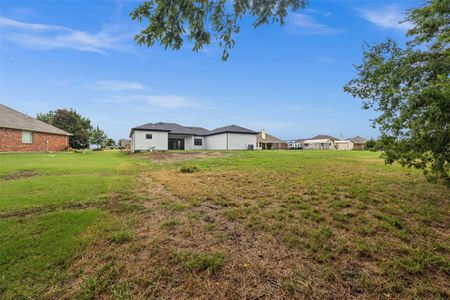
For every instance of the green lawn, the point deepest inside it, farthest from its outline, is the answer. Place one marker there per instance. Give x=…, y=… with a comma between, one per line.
x=60, y=179
x=40, y=229
x=256, y=224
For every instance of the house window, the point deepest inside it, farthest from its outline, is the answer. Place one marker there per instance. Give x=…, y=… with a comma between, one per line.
x=148, y=136
x=198, y=142
x=27, y=137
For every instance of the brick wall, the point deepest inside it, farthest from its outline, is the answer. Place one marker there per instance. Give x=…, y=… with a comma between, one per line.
x=11, y=141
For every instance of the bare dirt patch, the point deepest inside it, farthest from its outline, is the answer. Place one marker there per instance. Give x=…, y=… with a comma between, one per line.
x=19, y=174
x=182, y=155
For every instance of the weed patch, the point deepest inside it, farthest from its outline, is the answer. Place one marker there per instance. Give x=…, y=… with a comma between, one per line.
x=170, y=224
x=189, y=169
x=211, y=262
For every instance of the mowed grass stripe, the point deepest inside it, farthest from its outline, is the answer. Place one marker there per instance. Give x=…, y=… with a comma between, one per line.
x=35, y=251
x=40, y=234
x=59, y=179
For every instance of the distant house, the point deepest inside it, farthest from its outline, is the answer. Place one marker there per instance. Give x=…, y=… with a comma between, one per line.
x=324, y=137
x=358, y=142
x=172, y=136
x=265, y=141
x=21, y=133
x=294, y=144
x=328, y=142
x=344, y=145
x=124, y=144
x=320, y=142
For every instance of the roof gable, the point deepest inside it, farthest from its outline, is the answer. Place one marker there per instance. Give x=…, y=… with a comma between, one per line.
x=10, y=118
x=324, y=137
x=358, y=139
x=231, y=129
x=269, y=138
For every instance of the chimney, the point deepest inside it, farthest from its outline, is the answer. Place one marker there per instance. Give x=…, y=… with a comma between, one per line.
x=263, y=134
x=341, y=137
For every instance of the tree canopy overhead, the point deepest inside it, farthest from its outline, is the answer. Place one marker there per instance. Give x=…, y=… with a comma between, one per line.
x=410, y=88
x=171, y=22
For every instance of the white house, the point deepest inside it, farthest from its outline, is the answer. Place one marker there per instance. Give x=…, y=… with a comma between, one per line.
x=344, y=145
x=171, y=136
x=322, y=144
x=328, y=142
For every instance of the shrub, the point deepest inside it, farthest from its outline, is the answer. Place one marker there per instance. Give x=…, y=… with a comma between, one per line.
x=371, y=145
x=189, y=169
x=72, y=150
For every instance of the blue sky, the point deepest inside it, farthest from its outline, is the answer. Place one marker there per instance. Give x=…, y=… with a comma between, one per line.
x=288, y=80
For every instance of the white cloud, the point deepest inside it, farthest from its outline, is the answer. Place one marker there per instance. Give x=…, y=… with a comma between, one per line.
x=164, y=102
x=116, y=85
x=44, y=37
x=388, y=17
x=309, y=25
x=10, y=23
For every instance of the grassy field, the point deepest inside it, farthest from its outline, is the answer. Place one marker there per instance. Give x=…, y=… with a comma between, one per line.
x=242, y=225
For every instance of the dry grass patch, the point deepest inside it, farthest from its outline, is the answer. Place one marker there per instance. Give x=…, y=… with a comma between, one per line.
x=277, y=225
x=169, y=156
x=19, y=174
x=349, y=227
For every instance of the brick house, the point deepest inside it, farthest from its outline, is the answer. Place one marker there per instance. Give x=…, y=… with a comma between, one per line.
x=21, y=133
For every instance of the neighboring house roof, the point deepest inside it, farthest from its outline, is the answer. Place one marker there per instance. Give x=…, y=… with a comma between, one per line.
x=174, y=128
x=317, y=141
x=269, y=138
x=323, y=137
x=123, y=142
x=319, y=137
x=10, y=118
x=231, y=129
x=358, y=140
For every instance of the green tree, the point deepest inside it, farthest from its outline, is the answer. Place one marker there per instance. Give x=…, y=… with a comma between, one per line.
x=410, y=88
x=109, y=142
x=370, y=144
x=72, y=122
x=98, y=137
x=170, y=22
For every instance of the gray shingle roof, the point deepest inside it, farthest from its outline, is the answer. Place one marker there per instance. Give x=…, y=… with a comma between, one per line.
x=174, y=128
x=10, y=118
x=358, y=140
x=232, y=129
x=324, y=137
